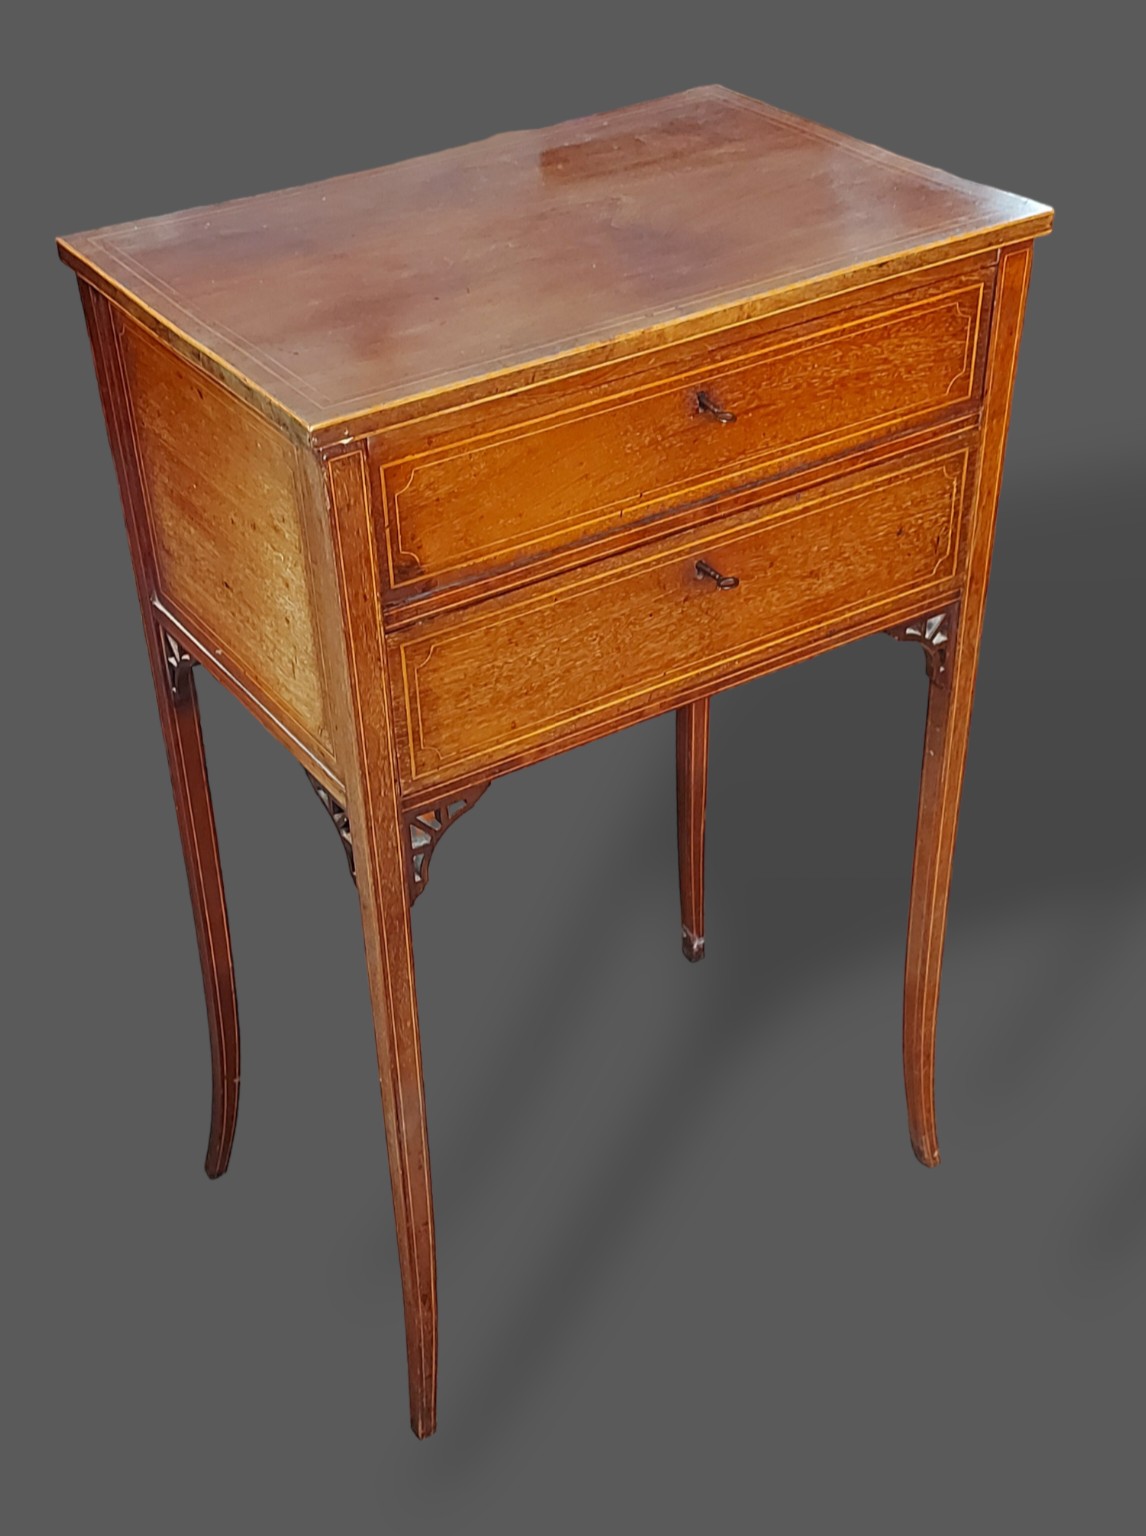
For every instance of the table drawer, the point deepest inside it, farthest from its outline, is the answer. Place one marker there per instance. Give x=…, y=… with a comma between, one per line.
x=775, y=398
x=574, y=655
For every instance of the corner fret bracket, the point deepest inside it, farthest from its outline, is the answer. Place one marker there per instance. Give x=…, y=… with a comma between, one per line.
x=180, y=664
x=426, y=827
x=934, y=635
x=339, y=816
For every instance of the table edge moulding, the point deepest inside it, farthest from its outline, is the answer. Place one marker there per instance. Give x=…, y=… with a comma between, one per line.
x=446, y=467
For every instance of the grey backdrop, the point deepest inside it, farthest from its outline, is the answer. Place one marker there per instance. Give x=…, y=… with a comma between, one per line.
x=691, y=1277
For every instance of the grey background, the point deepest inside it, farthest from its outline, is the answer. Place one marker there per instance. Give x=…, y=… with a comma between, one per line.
x=690, y=1273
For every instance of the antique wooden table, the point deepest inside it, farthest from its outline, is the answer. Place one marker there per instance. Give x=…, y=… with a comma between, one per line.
x=446, y=467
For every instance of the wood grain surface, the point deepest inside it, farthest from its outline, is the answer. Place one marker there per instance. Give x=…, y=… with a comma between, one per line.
x=692, y=723
x=386, y=285
x=222, y=494
x=449, y=466
x=467, y=497
x=178, y=708
x=950, y=699
x=626, y=637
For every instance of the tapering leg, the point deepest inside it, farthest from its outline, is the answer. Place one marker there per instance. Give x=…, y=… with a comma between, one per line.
x=171, y=670
x=388, y=942
x=951, y=640
x=691, y=798
x=382, y=865
x=398, y=1045
x=951, y=683
x=183, y=737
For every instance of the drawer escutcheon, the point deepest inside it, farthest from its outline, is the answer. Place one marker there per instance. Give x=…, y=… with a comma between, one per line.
x=706, y=572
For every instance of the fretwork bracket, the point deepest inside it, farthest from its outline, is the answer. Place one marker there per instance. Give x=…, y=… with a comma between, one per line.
x=339, y=816
x=934, y=634
x=424, y=829
x=180, y=665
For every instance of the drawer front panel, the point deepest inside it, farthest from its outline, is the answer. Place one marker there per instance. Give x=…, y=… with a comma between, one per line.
x=619, y=639
x=797, y=396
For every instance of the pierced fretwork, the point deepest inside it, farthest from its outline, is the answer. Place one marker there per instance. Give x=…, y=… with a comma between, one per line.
x=426, y=828
x=339, y=816
x=933, y=634
x=180, y=665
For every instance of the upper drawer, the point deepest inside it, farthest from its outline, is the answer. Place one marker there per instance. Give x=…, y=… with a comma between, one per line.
x=517, y=478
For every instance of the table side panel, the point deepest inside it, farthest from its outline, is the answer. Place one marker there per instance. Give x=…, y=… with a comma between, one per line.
x=223, y=493
x=524, y=674
x=512, y=481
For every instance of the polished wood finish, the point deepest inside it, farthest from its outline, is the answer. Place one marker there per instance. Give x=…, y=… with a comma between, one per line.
x=222, y=491
x=495, y=487
x=951, y=690
x=449, y=466
x=381, y=855
x=691, y=804
x=171, y=673
x=640, y=632
x=568, y=244
x=930, y=879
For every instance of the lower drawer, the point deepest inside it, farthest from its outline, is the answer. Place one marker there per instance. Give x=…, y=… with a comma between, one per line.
x=626, y=637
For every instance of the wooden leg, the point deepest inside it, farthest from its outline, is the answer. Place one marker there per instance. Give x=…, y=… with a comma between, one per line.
x=382, y=866
x=951, y=681
x=398, y=1045
x=171, y=669
x=951, y=645
x=183, y=737
x=691, y=798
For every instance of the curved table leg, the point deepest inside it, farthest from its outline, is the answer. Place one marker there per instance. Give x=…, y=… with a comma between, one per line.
x=951, y=682
x=691, y=798
x=171, y=669
x=183, y=737
x=951, y=645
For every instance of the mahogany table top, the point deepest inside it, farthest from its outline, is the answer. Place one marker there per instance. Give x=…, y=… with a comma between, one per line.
x=349, y=294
